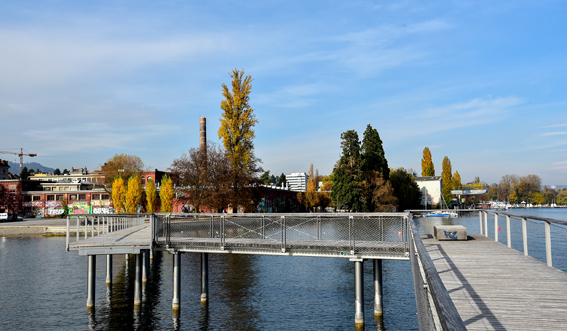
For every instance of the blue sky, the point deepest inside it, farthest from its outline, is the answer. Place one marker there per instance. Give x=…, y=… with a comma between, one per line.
x=482, y=82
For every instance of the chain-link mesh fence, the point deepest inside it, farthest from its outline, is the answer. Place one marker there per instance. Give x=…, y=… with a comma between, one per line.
x=341, y=234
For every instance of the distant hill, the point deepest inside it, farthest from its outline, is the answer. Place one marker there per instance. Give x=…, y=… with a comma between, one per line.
x=15, y=167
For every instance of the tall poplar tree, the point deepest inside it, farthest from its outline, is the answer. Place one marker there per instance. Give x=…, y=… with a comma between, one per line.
x=166, y=194
x=237, y=133
x=457, y=181
x=447, y=179
x=118, y=194
x=134, y=194
x=151, y=196
x=427, y=168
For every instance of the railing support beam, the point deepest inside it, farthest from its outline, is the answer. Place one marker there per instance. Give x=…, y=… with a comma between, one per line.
x=525, y=235
x=548, y=244
x=496, y=227
x=480, y=220
x=508, y=235
x=486, y=224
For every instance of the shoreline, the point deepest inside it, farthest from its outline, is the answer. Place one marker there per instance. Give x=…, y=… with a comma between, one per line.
x=34, y=227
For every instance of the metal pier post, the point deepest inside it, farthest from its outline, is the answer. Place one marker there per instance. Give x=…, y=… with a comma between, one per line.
x=358, y=293
x=138, y=280
x=377, y=287
x=176, y=281
x=91, y=277
x=146, y=266
x=108, y=269
x=204, y=277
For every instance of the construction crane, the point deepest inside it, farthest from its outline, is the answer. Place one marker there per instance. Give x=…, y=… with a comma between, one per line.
x=21, y=155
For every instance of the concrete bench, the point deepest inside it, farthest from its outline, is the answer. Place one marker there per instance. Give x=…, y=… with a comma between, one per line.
x=450, y=232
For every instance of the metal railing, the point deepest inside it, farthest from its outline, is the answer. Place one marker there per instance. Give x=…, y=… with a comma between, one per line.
x=526, y=220
x=435, y=309
x=92, y=225
x=286, y=231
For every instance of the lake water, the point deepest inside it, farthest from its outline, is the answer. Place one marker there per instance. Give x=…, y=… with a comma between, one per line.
x=42, y=287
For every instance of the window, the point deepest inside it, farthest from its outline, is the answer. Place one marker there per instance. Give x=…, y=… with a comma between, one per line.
x=47, y=188
x=12, y=187
x=27, y=198
x=59, y=197
x=143, y=181
x=73, y=197
x=105, y=197
x=82, y=197
x=95, y=197
x=36, y=198
x=50, y=197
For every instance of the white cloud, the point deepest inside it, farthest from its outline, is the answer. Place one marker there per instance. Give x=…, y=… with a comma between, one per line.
x=559, y=133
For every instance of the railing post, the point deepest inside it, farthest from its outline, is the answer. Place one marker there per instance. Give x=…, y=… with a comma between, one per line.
x=548, y=244
x=283, y=233
x=263, y=227
x=508, y=235
x=78, y=230
x=222, y=232
x=495, y=226
x=480, y=219
x=525, y=235
x=351, y=234
x=486, y=224
x=318, y=227
x=67, y=237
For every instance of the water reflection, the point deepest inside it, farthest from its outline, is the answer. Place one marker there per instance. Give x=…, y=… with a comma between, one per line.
x=246, y=292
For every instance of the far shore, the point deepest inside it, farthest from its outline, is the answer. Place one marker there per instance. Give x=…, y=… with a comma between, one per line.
x=34, y=227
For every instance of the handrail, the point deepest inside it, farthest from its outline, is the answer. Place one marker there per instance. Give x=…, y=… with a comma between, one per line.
x=442, y=308
x=524, y=218
x=108, y=222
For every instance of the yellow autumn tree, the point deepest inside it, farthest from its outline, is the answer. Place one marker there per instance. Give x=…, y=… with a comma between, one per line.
x=237, y=134
x=166, y=194
x=134, y=194
x=118, y=194
x=427, y=168
x=151, y=196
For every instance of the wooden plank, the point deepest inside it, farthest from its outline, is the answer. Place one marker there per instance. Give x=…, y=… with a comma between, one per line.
x=498, y=288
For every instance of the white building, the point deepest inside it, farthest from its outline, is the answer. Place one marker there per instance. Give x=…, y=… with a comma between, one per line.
x=430, y=188
x=297, y=181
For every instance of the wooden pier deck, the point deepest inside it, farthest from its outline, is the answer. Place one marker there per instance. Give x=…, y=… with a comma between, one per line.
x=498, y=288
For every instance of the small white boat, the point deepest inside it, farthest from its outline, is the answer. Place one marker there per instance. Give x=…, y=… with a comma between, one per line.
x=441, y=214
